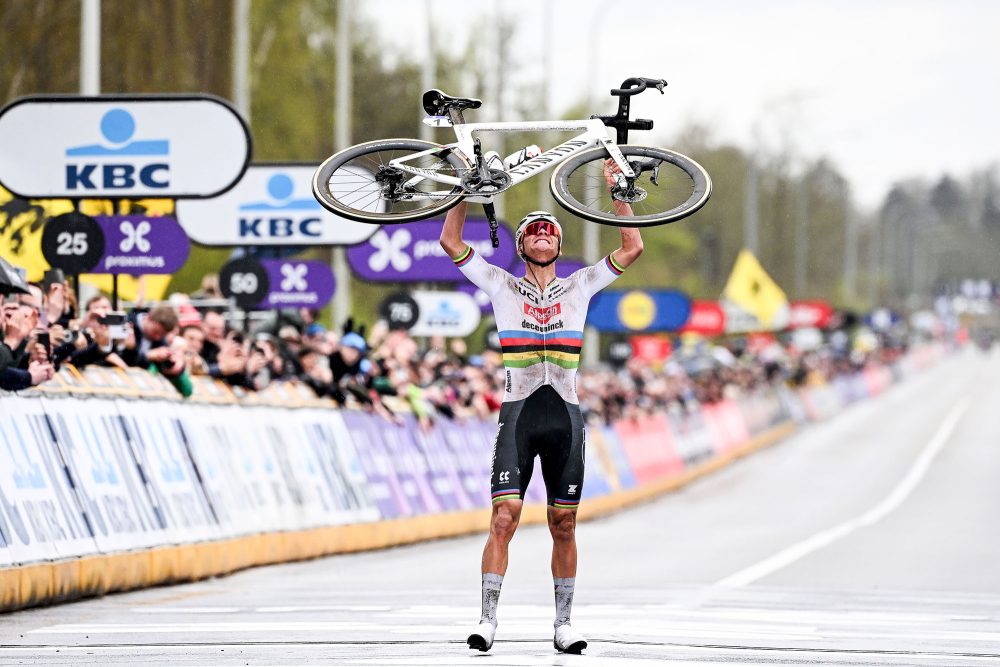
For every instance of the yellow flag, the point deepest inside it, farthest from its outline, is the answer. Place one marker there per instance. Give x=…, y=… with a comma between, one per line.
x=753, y=291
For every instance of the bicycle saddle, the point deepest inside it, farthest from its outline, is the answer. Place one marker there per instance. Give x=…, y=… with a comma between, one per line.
x=437, y=103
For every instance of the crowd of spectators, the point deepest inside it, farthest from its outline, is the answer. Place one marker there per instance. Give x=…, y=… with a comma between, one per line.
x=376, y=369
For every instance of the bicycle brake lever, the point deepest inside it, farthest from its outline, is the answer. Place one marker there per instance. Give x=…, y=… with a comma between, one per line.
x=660, y=85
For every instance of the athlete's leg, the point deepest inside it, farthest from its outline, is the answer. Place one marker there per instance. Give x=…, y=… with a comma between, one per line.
x=507, y=485
x=562, y=527
x=563, y=468
x=503, y=523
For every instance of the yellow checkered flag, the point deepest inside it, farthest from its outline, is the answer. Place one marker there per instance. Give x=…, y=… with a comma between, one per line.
x=752, y=300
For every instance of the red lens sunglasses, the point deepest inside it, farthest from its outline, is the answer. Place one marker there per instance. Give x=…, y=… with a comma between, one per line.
x=538, y=226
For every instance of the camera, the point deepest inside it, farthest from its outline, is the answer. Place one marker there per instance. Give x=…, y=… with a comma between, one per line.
x=116, y=325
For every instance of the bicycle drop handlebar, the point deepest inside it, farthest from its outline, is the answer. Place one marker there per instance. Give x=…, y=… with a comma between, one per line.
x=621, y=122
x=638, y=84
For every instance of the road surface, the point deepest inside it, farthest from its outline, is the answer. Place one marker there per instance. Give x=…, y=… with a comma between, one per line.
x=870, y=539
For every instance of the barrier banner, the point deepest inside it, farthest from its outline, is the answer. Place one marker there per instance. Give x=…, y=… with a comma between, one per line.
x=103, y=472
x=271, y=498
x=382, y=480
x=468, y=446
x=821, y=402
x=728, y=428
x=411, y=467
x=350, y=503
x=619, y=472
x=648, y=445
x=311, y=496
x=39, y=518
x=162, y=455
x=760, y=411
x=596, y=477
x=217, y=462
x=347, y=462
x=443, y=467
x=692, y=436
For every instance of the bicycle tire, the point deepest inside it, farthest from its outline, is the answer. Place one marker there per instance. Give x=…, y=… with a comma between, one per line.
x=578, y=186
x=358, y=165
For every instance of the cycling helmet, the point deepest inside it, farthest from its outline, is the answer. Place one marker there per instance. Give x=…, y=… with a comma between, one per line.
x=527, y=220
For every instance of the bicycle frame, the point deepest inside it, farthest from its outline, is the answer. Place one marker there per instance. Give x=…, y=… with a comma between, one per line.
x=594, y=134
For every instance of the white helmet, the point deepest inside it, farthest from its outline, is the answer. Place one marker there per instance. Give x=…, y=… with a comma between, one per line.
x=528, y=219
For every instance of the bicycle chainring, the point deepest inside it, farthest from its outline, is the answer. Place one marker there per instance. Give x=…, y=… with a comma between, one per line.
x=498, y=181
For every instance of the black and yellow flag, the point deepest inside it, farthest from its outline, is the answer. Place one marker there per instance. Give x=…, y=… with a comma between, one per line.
x=751, y=299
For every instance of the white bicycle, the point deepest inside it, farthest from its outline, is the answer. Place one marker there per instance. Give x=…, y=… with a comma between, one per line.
x=403, y=180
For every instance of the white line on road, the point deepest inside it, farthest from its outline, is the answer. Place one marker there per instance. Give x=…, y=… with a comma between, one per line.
x=903, y=489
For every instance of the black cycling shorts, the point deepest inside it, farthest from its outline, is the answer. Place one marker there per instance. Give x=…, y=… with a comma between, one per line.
x=546, y=426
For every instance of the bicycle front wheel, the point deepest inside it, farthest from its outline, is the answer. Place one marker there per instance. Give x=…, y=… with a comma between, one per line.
x=358, y=182
x=668, y=187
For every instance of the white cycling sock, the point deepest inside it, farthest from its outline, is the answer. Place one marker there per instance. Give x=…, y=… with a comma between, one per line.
x=564, y=599
x=491, y=596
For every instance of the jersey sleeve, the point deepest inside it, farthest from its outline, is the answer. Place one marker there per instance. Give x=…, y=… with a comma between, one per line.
x=481, y=273
x=595, y=278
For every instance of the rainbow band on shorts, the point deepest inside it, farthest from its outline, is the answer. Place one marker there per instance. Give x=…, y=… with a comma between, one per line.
x=506, y=494
x=565, y=504
x=464, y=258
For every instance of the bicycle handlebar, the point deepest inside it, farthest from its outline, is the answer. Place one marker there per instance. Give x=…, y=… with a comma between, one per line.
x=636, y=85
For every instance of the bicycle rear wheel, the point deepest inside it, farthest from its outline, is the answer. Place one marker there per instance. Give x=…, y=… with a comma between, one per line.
x=668, y=187
x=359, y=184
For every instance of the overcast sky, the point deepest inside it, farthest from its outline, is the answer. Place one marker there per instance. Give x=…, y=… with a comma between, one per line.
x=889, y=89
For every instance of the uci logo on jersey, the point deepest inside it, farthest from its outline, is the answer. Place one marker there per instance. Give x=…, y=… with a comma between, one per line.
x=283, y=216
x=118, y=162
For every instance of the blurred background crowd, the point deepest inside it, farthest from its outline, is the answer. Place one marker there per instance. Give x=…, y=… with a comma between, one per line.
x=44, y=327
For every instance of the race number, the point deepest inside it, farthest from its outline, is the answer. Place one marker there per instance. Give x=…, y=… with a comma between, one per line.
x=73, y=242
x=245, y=281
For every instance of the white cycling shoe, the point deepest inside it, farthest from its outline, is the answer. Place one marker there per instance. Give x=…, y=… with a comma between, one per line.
x=568, y=640
x=482, y=638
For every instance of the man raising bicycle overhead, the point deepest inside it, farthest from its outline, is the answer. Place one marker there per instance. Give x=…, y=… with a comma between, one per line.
x=540, y=319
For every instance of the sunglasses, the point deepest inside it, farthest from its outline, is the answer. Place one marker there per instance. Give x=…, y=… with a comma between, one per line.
x=538, y=226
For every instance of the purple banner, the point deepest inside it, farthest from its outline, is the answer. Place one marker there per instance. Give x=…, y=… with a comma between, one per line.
x=441, y=465
x=298, y=283
x=468, y=447
x=412, y=253
x=411, y=468
x=139, y=245
x=564, y=268
x=385, y=488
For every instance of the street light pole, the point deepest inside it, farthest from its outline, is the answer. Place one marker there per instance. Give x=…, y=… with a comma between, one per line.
x=342, y=139
x=90, y=47
x=241, y=57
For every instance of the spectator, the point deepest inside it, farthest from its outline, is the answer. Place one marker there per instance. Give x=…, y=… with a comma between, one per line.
x=214, y=326
x=148, y=342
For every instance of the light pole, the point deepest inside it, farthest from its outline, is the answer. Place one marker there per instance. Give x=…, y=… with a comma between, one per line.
x=342, y=139
x=90, y=47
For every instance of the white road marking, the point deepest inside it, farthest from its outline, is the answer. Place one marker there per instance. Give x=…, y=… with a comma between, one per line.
x=903, y=489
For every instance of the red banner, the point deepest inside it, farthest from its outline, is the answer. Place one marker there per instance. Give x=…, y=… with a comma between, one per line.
x=651, y=349
x=816, y=314
x=707, y=318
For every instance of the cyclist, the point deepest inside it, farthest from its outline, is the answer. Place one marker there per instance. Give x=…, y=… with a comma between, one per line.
x=540, y=320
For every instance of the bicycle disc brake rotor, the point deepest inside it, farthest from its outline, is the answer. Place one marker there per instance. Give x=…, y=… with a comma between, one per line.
x=629, y=193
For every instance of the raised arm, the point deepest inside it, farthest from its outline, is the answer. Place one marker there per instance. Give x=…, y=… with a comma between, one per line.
x=451, y=233
x=631, y=246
